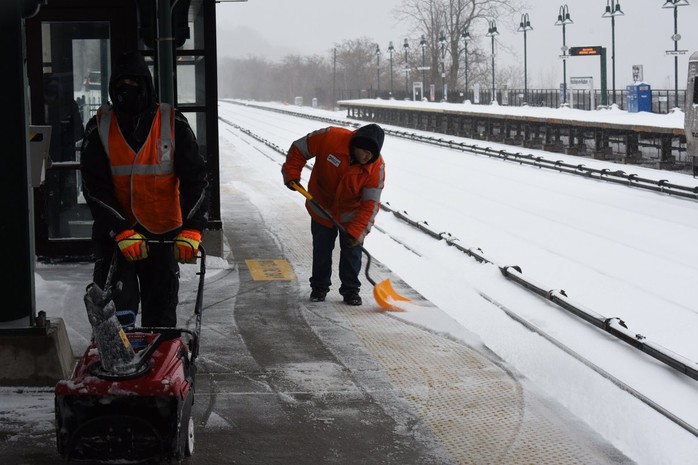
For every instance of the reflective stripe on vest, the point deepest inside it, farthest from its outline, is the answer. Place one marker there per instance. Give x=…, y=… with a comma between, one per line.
x=144, y=183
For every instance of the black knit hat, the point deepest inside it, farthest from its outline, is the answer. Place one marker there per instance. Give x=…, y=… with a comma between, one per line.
x=369, y=137
x=132, y=65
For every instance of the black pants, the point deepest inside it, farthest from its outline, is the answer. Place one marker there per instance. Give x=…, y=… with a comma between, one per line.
x=349, y=260
x=154, y=282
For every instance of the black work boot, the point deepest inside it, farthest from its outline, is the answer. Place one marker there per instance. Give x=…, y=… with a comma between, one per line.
x=318, y=295
x=352, y=298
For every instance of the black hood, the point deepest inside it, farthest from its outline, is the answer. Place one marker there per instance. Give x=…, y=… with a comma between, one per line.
x=132, y=65
x=369, y=137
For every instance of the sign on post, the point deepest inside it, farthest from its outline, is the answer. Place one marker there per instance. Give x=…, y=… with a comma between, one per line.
x=583, y=83
x=586, y=51
x=590, y=51
x=417, y=91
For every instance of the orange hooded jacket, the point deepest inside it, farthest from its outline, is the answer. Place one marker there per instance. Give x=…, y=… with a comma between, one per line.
x=347, y=189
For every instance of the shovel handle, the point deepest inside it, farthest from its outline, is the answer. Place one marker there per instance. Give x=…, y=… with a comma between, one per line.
x=383, y=292
x=312, y=200
x=300, y=189
x=339, y=226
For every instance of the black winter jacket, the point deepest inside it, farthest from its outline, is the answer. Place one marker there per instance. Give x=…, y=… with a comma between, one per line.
x=97, y=183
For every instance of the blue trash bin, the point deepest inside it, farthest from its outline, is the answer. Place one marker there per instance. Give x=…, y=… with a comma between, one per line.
x=639, y=97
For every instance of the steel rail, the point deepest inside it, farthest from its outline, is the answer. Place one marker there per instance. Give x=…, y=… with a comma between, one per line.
x=601, y=174
x=612, y=325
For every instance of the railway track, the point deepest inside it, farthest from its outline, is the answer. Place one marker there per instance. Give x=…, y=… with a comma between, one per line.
x=611, y=325
x=632, y=180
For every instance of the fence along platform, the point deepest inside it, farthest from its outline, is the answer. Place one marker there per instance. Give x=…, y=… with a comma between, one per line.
x=635, y=141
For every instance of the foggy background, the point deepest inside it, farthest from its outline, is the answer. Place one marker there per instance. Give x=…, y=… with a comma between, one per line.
x=274, y=29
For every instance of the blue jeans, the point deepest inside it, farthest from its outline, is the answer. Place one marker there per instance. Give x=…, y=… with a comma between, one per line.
x=349, y=260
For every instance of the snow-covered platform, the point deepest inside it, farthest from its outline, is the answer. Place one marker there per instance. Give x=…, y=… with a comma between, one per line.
x=563, y=130
x=286, y=381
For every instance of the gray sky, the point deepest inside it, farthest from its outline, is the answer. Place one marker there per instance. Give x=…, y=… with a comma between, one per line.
x=274, y=28
x=279, y=27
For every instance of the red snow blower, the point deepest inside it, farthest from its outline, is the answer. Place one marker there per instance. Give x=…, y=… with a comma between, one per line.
x=130, y=397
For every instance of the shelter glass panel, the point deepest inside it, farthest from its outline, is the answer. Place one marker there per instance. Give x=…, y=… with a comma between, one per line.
x=75, y=64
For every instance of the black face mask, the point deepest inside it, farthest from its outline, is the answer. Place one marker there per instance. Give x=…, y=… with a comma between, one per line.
x=129, y=99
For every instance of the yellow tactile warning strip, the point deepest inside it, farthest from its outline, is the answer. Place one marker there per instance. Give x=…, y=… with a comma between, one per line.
x=270, y=270
x=475, y=408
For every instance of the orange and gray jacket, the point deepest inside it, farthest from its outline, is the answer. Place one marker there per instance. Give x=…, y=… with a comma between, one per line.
x=349, y=190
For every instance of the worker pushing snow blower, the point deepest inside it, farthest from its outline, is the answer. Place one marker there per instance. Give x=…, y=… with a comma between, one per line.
x=130, y=397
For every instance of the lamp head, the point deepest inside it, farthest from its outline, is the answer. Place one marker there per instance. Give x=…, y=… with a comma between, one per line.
x=675, y=3
x=492, y=31
x=525, y=24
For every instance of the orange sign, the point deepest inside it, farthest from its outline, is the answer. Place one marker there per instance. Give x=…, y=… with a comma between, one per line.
x=585, y=51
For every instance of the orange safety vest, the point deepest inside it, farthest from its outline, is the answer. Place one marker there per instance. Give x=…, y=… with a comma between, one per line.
x=145, y=183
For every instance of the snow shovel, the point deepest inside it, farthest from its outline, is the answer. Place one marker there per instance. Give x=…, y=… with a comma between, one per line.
x=383, y=292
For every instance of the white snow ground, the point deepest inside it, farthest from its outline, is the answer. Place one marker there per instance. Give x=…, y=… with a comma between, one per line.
x=620, y=252
x=617, y=251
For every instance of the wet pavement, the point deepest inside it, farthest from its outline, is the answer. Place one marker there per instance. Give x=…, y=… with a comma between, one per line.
x=285, y=381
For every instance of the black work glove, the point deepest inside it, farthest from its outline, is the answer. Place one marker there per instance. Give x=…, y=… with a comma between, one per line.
x=297, y=181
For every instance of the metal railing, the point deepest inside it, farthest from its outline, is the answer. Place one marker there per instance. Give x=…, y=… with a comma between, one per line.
x=662, y=99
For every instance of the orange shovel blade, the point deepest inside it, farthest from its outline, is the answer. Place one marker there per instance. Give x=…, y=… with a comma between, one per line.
x=386, y=296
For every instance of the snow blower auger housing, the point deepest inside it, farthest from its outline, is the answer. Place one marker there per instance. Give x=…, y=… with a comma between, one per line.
x=135, y=415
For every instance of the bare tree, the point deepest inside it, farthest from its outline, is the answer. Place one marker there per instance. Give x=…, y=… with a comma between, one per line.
x=449, y=19
x=301, y=76
x=356, y=62
x=356, y=71
x=246, y=78
x=427, y=16
x=258, y=79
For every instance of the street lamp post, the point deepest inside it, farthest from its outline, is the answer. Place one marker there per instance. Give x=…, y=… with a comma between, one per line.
x=442, y=43
x=406, y=47
x=391, y=48
x=423, y=44
x=378, y=70
x=563, y=19
x=613, y=10
x=492, y=33
x=524, y=27
x=466, y=37
x=676, y=37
